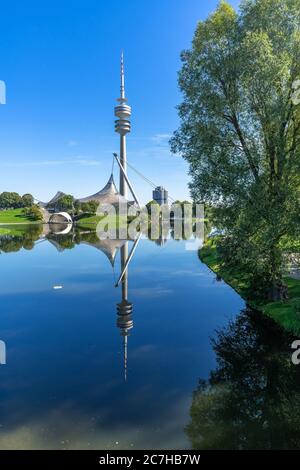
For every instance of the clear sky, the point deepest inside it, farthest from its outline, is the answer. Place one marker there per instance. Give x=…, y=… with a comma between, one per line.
x=60, y=62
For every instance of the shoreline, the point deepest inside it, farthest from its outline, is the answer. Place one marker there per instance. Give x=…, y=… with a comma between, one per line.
x=284, y=312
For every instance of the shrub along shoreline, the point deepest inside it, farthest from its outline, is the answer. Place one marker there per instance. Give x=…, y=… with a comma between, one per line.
x=285, y=312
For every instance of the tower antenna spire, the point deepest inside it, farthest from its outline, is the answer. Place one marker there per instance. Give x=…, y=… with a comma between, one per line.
x=122, y=77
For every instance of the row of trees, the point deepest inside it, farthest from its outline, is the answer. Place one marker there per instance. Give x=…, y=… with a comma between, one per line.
x=12, y=200
x=240, y=132
x=174, y=204
x=68, y=203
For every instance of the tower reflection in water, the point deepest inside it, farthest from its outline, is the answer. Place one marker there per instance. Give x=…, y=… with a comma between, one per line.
x=61, y=239
x=2, y=352
x=124, y=308
x=66, y=237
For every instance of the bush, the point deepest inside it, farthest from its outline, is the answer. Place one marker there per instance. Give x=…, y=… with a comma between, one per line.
x=34, y=213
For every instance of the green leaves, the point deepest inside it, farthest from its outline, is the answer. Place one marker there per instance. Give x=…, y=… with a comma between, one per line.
x=12, y=200
x=239, y=125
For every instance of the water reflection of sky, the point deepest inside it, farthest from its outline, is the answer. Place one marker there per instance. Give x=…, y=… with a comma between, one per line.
x=63, y=384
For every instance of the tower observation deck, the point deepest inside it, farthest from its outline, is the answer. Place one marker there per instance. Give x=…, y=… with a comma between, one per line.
x=123, y=127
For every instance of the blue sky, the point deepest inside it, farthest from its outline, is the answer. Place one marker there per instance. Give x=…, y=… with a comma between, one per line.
x=60, y=62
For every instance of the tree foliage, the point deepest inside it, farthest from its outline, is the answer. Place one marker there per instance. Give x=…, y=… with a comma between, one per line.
x=34, y=213
x=240, y=126
x=27, y=200
x=152, y=205
x=65, y=203
x=12, y=200
x=89, y=207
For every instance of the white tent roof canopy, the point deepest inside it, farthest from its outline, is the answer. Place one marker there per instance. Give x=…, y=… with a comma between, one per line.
x=108, y=195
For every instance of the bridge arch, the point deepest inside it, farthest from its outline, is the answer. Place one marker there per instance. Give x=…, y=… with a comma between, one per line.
x=60, y=218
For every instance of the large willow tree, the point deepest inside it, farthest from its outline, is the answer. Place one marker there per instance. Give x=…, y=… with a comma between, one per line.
x=240, y=129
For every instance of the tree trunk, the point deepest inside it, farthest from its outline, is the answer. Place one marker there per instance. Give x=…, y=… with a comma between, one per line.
x=278, y=291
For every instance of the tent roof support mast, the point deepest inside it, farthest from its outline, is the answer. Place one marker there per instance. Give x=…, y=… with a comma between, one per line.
x=127, y=180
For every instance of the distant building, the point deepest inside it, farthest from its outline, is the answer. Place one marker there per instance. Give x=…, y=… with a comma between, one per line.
x=160, y=195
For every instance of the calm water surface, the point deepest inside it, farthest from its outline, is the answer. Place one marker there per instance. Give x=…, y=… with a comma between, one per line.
x=68, y=381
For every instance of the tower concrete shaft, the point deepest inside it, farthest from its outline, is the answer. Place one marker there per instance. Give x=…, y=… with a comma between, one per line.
x=124, y=308
x=123, y=127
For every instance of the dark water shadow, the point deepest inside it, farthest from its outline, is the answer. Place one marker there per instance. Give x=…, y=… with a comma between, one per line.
x=252, y=398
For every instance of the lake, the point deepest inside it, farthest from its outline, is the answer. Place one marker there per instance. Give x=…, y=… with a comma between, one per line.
x=93, y=366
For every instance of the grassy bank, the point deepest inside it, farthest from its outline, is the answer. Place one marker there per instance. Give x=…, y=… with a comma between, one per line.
x=88, y=221
x=14, y=216
x=286, y=313
x=113, y=221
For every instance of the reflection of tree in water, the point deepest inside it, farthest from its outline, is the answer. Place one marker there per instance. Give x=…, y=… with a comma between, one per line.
x=70, y=240
x=26, y=236
x=252, y=399
x=76, y=237
x=17, y=239
x=63, y=242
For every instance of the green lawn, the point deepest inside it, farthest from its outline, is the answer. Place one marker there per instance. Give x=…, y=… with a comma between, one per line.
x=14, y=216
x=89, y=220
x=93, y=220
x=286, y=313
